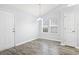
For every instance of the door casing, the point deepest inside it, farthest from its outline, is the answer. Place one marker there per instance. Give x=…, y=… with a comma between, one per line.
x=6, y=30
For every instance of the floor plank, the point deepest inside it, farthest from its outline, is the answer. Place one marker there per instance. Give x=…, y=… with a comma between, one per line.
x=41, y=47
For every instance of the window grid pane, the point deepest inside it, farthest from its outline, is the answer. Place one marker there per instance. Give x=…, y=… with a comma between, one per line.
x=45, y=29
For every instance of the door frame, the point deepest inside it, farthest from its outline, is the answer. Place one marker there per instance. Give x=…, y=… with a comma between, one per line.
x=75, y=33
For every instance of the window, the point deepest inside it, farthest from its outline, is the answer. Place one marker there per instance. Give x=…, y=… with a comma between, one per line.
x=45, y=25
x=53, y=25
x=45, y=29
x=49, y=25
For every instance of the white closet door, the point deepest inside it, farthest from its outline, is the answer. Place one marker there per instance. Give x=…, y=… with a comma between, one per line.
x=70, y=34
x=6, y=30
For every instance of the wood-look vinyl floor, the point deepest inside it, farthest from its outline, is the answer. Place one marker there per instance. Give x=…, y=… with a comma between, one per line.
x=41, y=47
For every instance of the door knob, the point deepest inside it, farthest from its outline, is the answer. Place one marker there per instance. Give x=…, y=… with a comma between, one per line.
x=13, y=31
x=73, y=31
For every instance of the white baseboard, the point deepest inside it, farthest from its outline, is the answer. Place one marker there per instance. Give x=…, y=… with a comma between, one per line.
x=31, y=40
x=77, y=47
x=65, y=44
x=62, y=44
x=20, y=43
x=52, y=39
x=35, y=39
x=25, y=42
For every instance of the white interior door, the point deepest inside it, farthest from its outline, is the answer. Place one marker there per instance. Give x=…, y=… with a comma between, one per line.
x=6, y=28
x=70, y=34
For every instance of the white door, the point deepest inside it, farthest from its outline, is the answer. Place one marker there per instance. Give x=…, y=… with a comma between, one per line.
x=70, y=34
x=6, y=28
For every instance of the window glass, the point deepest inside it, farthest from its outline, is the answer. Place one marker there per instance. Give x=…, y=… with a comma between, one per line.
x=45, y=29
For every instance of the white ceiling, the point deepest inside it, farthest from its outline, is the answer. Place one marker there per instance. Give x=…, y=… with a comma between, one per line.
x=35, y=9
